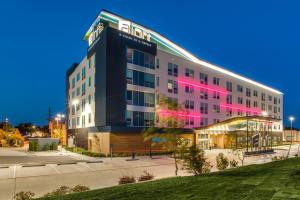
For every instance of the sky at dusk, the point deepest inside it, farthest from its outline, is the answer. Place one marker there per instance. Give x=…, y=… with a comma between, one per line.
x=39, y=40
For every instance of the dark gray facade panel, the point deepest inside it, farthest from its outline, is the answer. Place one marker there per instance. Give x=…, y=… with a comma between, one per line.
x=100, y=51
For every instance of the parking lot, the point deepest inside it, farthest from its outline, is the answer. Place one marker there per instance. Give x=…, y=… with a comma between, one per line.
x=43, y=172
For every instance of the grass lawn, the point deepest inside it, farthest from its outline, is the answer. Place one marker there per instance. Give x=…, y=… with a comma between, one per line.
x=278, y=180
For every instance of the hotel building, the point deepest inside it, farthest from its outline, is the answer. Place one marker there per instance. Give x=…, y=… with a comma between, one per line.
x=112, y=93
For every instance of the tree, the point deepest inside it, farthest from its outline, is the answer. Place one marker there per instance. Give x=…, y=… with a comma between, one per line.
x=171, y=126
x=26, y=128
x=194, y=160
x=240, y=153
x=222, y=161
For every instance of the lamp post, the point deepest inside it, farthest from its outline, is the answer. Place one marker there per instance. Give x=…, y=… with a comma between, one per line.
x=291, y=119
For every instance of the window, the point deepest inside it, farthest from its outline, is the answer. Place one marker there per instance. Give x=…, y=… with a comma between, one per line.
x=229, y=86
x=157, y=81
x=83, y=89
x=270, y=98
x=270, y=107
x=135, y=118
x=129, y=97
x=203, y=94
x=73, y=109
x=140, y=78
x=240, y=100
x=78, y=91
x=189, y=121
x=204, y=108
x=78, y=77
x=140, y=98
x=149, y=100
x=73, y=82
x=239, y=88
x=90, y=118
x=255, y=93
x=189, y=89
x=228, y=112
x=129, y=118
x=229, y=99
x=216, y=121
x=140, y=58
x=77, y=107
x=170, y=69
x=263, y=106
x=149, y=80
x=203, y=78
x=172, y=86
x=90, y=99
x=189, y=73
x=216, y=95
x=83, y=120
x=275, y=109
x=78, y=121
x=90, y=82
x=73, y=93
x=216, y=81
x=248, y=92
x=189, y=104
x=148, y=119
x=203, y=121
x=275, y=100
x=248, y=103
x=255, y=104
x=129, y=76
x=263, y=96
x=83, y=105
x=83, y=72
x=157, y=63
x=216, y=108
x=129, y=55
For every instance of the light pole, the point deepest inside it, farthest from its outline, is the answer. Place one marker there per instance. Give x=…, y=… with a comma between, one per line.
x=291, y=119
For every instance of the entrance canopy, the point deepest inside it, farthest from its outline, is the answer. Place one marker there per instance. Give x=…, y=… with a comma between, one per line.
x=239, y=124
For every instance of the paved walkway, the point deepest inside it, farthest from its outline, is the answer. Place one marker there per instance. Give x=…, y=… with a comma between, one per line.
x=45, y=178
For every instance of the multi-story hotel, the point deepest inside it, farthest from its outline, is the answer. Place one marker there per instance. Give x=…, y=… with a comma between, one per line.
x=112, y=93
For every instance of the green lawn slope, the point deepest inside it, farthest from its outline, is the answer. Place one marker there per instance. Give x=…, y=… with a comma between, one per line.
x=278, y=180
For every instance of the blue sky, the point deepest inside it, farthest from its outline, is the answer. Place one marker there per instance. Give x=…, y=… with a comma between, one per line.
x=39, y=40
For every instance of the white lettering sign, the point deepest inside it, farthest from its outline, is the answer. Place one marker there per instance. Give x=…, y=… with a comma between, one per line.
x=128, y=27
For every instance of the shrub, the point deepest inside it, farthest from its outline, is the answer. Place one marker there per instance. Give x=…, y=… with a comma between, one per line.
x=222, y=161
x=60, y=191
x=194, y=161
x=146, y=176
x=31, y=145
x=47, y=147
x=53, y=146
x=126, y=180
x=24, y=195
x=79, y=188
x=233, y=163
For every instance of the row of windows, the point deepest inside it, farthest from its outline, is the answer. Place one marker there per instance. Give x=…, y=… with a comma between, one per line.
x=140, y=98
x=77, y=121
x=140, y=78
x=77, y=107
x=140, y=58
x=173, y=71
x=82, y=90
x=82, y=75
x=135, y=118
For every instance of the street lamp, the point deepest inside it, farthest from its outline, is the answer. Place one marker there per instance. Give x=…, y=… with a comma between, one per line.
x=291, y=119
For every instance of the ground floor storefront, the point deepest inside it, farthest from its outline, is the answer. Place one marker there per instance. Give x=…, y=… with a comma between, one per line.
x=250, y=133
